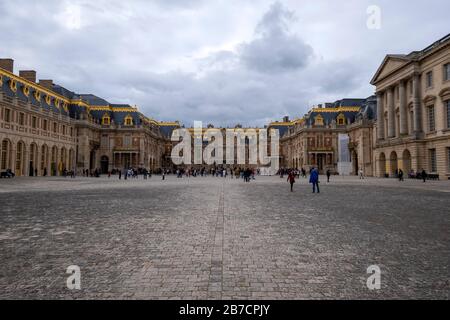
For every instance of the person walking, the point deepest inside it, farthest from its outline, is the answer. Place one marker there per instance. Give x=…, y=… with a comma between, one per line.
x=400, y=175
x=328, y=175
x=120, y=174
x=291, y=180
x=314, y=179
x=361, y=174
x=424, y=175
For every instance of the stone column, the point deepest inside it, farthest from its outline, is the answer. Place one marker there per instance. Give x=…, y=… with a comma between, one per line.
x=417, y=106
x=403, y=110
x=380, y=116
x=391, y=112
x=26, y=160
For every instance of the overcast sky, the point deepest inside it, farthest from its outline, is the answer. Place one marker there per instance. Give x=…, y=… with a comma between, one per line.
x=219, y=61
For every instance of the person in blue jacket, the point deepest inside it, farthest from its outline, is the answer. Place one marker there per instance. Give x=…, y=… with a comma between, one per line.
x=314, y=179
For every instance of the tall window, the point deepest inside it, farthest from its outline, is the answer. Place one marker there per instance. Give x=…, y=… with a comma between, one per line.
x=429, y=79
x=21, y=119
x=127, y=141
x=433, y=165
x=447, y=72
x=431, y=120
x=7, y=115
x=55, y=127
x=33, y=122
x=448, y=159
x=448, y=113
x=45, y=125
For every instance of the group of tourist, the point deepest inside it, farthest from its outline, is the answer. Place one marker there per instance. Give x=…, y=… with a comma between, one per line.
x=313, y=177
x=246, y=174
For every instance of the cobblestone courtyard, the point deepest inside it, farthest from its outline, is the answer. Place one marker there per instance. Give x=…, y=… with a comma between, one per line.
x=215, y=238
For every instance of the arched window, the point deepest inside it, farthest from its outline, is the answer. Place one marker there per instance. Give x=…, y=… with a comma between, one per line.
x=106, y=120
x=318, y=120
x=128, y=120
x=340, y=119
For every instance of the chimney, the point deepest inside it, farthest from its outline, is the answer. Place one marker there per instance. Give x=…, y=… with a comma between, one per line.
x=46, y=84
x=7, y=64
x=29, y=75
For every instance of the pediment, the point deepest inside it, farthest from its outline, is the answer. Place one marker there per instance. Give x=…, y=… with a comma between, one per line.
x=389, y=64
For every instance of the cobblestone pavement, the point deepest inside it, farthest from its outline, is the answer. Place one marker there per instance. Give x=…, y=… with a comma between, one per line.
x=215, y=238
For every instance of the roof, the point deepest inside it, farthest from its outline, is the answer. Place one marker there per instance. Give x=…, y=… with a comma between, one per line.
x=411, y=57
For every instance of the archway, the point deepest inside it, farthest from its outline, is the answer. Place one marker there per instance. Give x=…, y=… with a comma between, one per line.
x=393, y=159
x=54, y=161
x=62, y=163
x=44, y=160
x=104, y=163
x=382, y=165
x=406, y=161
x=33, y=160
x=71, y=166
x=355, y=163
x=6, y=153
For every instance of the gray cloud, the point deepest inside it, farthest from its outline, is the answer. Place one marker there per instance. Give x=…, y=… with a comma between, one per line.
x=275, y=49
x=217, y=61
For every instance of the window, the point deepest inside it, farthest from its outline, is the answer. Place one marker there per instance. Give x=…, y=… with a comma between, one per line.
x=34, y=122
x=128, y=120
x=45, y=125
x=7, y=115
x=433, y=166
x=55, y=127
x=21, y=118
x=448, y=113
x=64, y=130
x=104, y=142
x=447, y=72
x=71, y=131
x=448, y=159
x=127, y=141
x=429, y=79
x=431, y=120
x=106, y=120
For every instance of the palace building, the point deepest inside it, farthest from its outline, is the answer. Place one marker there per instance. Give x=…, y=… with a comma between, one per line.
x=334, y=136
x=46, y=129
x=413, y=117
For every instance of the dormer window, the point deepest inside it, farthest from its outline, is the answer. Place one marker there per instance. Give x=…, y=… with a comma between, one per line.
x=13, y=85
x=128, y=120
x=26, y=90
x=341, y=119
x=106, y=120
x=37, y=95
x=318, y=120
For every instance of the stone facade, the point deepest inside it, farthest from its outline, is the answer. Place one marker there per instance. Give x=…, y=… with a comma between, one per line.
x=413, y=120
x=46, y=129
x=313, y=140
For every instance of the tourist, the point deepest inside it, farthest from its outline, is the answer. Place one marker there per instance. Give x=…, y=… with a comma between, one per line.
x=291, y=180
x=314, y=179
x=361, y=174
x=328, y=175
x=424, y=175
x=400, y=175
